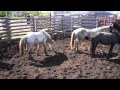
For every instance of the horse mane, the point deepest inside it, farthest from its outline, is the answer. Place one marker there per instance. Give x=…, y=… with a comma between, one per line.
x=48, y=35
x=101, y=29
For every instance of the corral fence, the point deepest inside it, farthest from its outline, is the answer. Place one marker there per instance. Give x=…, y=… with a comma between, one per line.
x=104, y=21
x=15, y=28
x=12, y=28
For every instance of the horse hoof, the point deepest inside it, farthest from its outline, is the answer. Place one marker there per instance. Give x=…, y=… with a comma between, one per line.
x=46, y=55
x=55, y=52
x=92, y=56
x=107, y=58
x=38, y=54
x=76, y=52
x=30, y=58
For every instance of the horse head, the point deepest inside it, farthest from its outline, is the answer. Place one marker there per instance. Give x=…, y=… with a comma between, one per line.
x=50, y=42
x=116, y=26
x=111, y=28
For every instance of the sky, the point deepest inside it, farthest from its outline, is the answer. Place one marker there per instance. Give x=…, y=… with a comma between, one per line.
x=114, y=12
x=81, y=12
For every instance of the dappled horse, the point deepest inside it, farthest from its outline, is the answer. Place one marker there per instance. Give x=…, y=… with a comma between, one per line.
x=105, y=38
x=81, y=33
x=35, y=38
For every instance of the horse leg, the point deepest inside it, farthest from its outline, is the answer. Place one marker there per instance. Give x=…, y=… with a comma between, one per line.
x=45, y=49
x=30, y=49
x=102, y=51
x=93, y=47
x=30, y=54
x=110, y=51
x=38, y=48
x=76, y=45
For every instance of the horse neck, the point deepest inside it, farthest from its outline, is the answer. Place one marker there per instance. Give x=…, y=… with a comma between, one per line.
x=100, y=29
x=48, y=37
x=117, y=34
x=118, y=37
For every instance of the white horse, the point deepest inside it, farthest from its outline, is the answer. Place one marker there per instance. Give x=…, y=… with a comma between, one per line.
x=80, y=34
x=35, y=38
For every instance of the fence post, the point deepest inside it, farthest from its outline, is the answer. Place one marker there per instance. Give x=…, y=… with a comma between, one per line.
x=34, y=24
x=62, y=22
x=50, y=22
x=97, y=22
x=8, y=28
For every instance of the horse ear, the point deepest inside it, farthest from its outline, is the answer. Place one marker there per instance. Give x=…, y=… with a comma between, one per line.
x=111, y=25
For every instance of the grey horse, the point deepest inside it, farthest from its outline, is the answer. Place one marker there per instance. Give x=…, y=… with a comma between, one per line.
x=105, y=38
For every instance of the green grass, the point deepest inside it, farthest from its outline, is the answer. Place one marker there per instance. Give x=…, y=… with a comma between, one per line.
x=118, y=16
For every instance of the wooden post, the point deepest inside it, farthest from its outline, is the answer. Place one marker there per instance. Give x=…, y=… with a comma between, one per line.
x=34, y=24
x=71, y=22
x=62, y=22
x=97, y=22
x=50, y=22
x=8, y=28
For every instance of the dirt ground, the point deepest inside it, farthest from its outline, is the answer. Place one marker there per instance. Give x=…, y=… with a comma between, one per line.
x=60, y=65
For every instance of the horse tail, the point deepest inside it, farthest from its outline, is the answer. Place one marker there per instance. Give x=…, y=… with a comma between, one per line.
x=72, y=40
x=22, y=44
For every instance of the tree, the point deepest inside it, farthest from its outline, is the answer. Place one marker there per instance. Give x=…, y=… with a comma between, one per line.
x=2, y=13
x=118, y=15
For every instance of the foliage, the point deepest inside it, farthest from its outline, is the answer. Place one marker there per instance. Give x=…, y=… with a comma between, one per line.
x=34, y=13
x=118, y=15
x=2, y=13
x=23, y=13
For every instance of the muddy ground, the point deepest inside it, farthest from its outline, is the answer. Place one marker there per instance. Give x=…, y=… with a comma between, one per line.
x=60, y=65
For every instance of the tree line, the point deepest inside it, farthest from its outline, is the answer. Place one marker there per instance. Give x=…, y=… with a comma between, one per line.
x=22, y=13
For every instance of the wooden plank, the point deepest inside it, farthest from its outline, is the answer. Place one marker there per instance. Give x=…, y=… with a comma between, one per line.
x=17, y=37
x=3, y=40
x=2, y=29
x=2, y=21
x=1, y=33
x=18, y=22
x=21, y=31
x=92, y=19
x=19, y=25
x=2, y=25
x=88, y=26
x=21, y=28
x=20, y=18
x=18, y=34
x=4, y=36
x=3, y=17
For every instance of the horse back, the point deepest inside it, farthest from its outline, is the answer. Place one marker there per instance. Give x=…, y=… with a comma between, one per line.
x=35, y=37
x=107, y=38
x=81, y=34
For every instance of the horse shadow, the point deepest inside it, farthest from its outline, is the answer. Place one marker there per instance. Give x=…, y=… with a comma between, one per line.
x=49, y=61
x=99, y=55
x=116, y=60
x=111, y=59
x=7, y=66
